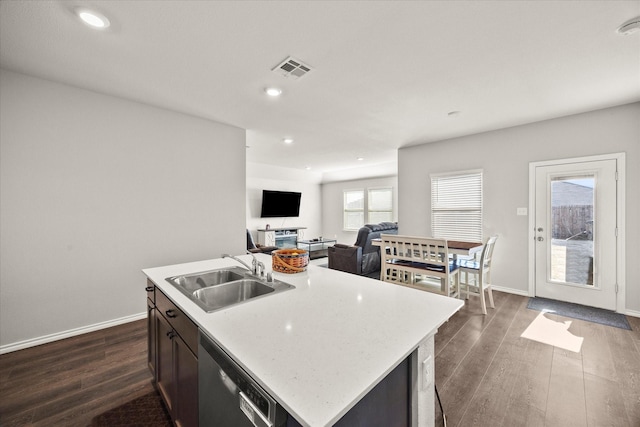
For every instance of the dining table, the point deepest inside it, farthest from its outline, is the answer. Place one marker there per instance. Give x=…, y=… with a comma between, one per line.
x=456, y=247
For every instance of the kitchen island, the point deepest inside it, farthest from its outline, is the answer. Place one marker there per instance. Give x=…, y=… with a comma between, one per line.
x=320, y=348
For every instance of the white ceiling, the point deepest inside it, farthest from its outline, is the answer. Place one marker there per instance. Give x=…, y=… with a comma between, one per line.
x=385, y=73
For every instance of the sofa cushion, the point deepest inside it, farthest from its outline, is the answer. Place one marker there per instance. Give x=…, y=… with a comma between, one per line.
x=383, y=226
x=341, y=246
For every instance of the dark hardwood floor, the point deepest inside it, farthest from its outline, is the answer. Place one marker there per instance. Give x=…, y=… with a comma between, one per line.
x=72, y=382
x=486, y=373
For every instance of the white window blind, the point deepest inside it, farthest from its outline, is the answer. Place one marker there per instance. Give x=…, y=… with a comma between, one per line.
x=353, y=205
x=456, y=206
x=380, y=205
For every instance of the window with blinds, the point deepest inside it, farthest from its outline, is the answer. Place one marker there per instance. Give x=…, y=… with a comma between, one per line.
x=374, y=204
x=353, y=209
x=456, y=206
x=380, y=205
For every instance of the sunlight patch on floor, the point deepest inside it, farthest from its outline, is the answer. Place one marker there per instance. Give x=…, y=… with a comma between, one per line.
x=553, y=332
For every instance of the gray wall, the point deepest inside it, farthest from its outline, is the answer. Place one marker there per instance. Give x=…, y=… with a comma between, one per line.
x=332, y=200
x=504, y=155
x=266, y=177
x=93, y=189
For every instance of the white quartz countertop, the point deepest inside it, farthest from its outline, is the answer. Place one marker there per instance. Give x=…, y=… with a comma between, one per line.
x=319, y=348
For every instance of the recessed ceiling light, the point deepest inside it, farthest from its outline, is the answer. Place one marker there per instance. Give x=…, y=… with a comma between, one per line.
x=288, y=141
x=360, y=159
x=630, y=27
x=273, y=91
x=308, y=168
x=93, y=19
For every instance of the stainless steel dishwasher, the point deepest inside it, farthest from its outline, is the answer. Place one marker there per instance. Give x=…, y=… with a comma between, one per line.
x=228, y=397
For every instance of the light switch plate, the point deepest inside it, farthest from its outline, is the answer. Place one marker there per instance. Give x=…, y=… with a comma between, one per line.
x=521, y=211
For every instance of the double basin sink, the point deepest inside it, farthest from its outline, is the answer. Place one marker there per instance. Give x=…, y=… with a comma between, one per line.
x=217, y=289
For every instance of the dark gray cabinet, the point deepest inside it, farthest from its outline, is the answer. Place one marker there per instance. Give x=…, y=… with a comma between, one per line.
x=174, y=343
x=151, y=328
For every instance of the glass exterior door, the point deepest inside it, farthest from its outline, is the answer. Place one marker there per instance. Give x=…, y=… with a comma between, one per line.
x=575, y=216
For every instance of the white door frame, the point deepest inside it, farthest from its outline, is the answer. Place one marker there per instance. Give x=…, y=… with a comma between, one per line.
x=620, y=220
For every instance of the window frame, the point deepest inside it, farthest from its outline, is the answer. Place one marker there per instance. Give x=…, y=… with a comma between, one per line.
x=365, y=210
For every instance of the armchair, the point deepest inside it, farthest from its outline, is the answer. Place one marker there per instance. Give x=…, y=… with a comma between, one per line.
x=363, y=257
x=258, y=248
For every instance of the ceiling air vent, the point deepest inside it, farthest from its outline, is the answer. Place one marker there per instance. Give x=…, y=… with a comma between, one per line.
x=293, y=68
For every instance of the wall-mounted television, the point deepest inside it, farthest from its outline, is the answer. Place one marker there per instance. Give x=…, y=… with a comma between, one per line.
x=280, y=204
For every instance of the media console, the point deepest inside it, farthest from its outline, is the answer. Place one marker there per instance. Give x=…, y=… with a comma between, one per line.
x=281, y=237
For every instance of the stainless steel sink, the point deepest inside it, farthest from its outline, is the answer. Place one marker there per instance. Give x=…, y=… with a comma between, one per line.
x=193, y=282
x=231, y=293
x=217, y=289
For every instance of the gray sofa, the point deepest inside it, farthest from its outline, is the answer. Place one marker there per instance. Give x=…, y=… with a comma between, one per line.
x=363, y=257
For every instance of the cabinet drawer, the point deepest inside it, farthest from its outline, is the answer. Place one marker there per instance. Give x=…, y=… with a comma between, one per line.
x=151, y=291
x=179, y=321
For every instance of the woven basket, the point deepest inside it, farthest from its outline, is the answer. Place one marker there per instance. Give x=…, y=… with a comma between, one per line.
x=289, y=260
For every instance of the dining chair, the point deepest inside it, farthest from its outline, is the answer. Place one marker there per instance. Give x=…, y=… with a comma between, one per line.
x=480, y=272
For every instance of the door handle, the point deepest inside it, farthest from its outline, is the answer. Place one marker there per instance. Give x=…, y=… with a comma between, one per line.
x=540, y=229
x=540, y=239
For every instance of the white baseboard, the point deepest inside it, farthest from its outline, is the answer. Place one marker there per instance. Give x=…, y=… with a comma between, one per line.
x=633, y=313
x=8, y=348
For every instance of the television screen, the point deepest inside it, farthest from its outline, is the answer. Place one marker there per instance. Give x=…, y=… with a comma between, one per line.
x=280, y=204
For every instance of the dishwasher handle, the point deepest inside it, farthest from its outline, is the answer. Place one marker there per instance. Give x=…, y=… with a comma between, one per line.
x=252, y=412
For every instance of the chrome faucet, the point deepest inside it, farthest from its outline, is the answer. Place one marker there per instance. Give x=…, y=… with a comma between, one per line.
x=257, y=267
x=240, y=261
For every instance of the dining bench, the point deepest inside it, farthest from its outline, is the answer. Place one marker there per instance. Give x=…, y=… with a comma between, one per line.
x=419, y=262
